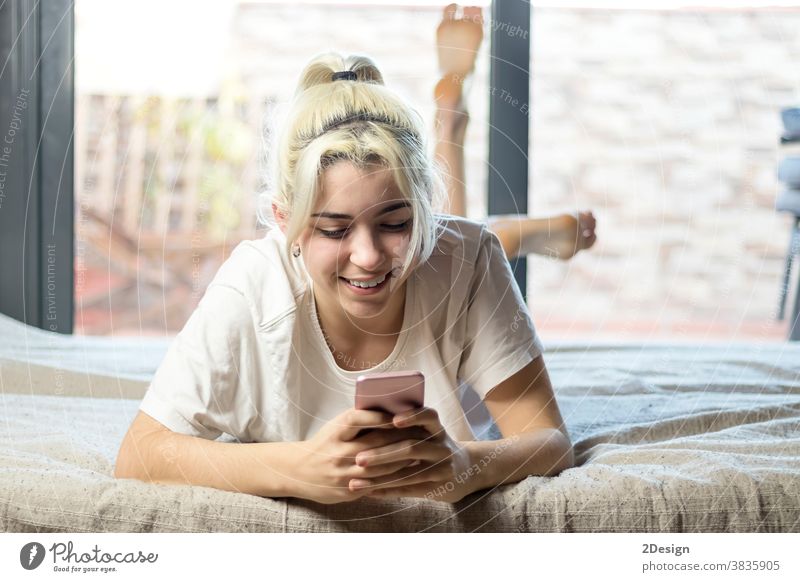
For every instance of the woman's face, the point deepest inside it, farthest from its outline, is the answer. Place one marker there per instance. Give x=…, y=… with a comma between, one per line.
x=358, y=232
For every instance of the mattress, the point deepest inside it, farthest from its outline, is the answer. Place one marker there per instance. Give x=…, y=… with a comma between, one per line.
x=668, y=438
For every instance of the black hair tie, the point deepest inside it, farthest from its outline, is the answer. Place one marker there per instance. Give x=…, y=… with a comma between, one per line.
x=344, y=75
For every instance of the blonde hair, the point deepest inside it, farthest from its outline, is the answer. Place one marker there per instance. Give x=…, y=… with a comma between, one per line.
x=364, y=123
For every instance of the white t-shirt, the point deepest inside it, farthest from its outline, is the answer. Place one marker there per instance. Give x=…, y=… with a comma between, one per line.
x=251, y=361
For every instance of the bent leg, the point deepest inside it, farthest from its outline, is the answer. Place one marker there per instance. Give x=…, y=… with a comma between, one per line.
x=458, y=40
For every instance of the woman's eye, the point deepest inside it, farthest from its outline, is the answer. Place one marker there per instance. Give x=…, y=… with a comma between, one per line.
x=341, y=232
x=400, y=226
x=333, y=233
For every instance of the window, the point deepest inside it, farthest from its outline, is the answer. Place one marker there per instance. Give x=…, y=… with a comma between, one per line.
x=170, y=128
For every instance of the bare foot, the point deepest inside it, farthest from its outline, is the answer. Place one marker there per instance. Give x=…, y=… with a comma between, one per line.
x=559, y=237
x=458, y=40
x=571, y=234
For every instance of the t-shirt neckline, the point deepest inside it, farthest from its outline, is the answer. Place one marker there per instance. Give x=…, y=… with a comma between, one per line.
x=383, y=366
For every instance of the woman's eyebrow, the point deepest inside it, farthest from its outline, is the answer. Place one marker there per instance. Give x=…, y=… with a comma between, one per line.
x=386, y=210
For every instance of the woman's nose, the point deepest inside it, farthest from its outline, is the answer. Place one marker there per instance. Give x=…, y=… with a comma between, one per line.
x=366, y=251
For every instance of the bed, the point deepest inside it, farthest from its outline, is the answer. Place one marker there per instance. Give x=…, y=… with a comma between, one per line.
x=668, y=438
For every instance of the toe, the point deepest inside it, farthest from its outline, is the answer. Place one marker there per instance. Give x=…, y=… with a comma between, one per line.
x=587, y=220
x=473, y=13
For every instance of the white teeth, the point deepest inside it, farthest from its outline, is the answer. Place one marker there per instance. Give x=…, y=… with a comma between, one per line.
x=367, y=284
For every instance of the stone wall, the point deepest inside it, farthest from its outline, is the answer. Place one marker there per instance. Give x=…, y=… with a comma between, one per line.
x=666, y=124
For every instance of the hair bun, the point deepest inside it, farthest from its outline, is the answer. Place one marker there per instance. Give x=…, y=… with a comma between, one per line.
x=322, y=68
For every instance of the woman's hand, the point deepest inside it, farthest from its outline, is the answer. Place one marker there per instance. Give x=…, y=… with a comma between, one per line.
x=327, y=460
x=440, y=464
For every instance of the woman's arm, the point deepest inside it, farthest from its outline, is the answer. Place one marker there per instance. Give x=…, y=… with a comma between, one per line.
x=318, y=469
x=544, y=452
x=153, y=453
x=535, y=440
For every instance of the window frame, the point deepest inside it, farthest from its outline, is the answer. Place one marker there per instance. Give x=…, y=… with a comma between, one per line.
x=509, y=108
x=37, y=213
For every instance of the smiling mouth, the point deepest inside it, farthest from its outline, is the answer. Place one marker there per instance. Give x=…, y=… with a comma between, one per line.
x=372, y=285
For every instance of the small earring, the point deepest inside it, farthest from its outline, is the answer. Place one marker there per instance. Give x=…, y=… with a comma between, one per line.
x=296, y=251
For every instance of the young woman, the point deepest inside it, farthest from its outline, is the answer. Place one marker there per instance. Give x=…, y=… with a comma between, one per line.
x=360, y=275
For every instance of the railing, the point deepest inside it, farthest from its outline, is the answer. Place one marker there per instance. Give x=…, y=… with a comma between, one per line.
x=165, y=189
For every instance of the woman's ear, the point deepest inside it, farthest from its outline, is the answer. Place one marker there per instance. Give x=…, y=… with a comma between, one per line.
x=280, y=218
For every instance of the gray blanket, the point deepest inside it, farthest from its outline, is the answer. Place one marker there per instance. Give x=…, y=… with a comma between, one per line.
x=694, y=438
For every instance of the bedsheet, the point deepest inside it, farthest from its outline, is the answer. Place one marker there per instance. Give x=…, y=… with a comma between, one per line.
x=668, y=437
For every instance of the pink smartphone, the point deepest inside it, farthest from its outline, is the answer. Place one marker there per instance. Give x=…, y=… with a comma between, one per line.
x=392, y=392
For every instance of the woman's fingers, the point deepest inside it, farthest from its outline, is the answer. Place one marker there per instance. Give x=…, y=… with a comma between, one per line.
x=353, y=421
x=425, y=417
x=427, y=448
x=407, y=450
x=382, y=437
x=408, y=476
x=376, y=471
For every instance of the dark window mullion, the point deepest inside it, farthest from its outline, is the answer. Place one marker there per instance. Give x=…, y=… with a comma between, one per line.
x=509, y=107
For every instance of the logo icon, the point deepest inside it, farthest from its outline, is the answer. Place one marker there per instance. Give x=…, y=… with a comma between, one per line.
x=31, y=555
